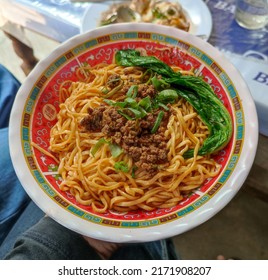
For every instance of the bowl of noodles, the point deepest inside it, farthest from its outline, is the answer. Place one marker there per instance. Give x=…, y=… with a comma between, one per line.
x=133, y=132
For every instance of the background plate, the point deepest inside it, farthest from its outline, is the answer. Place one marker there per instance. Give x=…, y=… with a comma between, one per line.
x=36, y=105
x=198, y=13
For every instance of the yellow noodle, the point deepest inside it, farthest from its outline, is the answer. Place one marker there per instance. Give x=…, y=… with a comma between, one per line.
x=93, y=180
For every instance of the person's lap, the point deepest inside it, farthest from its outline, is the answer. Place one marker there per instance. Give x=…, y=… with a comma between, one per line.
x=27, y=217
x=9, y=86
x=14, y=201
x=13, y=198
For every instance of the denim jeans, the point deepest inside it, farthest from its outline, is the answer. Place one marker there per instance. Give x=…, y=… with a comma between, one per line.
x=13, y=198
x=9, y=86
x=48, y=240
x=24, y=231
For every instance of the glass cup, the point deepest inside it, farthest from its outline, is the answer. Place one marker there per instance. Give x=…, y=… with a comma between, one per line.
x=252, y=14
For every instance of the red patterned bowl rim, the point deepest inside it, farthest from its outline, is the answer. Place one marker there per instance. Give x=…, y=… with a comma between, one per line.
x=36, y=106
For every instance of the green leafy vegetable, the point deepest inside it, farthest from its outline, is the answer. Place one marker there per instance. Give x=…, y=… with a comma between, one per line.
x=159, y=84
x=167, y=96
x=133, y=58
x=195, y=90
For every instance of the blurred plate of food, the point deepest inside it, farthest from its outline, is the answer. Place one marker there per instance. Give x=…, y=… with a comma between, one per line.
x=192, y=16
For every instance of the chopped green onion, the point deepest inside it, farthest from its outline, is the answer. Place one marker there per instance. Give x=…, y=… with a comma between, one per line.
x=134, y=169
x=109, y=102
x=105, y=90
x=138, y=109
x=97, y=146
x=163, y=106
x=143, y=112
x=130, y=102
x=121, y=166
x=133, y=91
x=113, y=103
x=115, y=150
x=137, y=113
x=115, y=90
x=124, y=115
x=157, y=122
x=146, y=104
x=113, y=80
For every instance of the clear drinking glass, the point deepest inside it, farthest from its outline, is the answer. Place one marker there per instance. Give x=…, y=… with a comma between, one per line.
x=252, y=14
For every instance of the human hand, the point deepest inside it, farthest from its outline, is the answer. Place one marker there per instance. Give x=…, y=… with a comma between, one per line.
x=103, y=248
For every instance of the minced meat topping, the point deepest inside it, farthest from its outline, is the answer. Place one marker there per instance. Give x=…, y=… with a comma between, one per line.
x=134, y=136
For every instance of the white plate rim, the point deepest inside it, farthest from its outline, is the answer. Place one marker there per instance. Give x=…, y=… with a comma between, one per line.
x=214, y=205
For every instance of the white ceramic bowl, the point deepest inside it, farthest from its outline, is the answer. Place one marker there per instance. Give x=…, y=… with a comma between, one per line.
x=34, y=113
